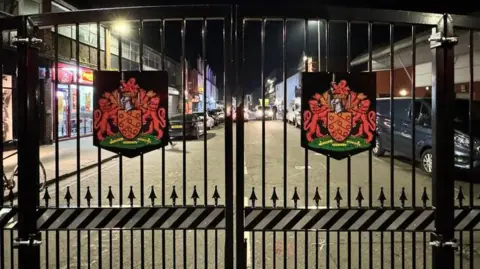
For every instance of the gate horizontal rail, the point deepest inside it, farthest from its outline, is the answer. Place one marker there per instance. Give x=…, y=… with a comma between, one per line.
x=116, y=218
x=256, y=219
x=355, y=220
x=147, y=13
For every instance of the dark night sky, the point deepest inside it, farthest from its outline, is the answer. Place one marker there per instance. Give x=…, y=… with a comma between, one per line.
x=273, y=38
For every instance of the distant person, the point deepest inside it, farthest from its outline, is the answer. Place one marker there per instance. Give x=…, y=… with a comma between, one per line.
x=170, y=140
x=274, y=112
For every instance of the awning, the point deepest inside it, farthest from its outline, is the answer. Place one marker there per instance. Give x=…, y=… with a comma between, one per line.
x=173, y=91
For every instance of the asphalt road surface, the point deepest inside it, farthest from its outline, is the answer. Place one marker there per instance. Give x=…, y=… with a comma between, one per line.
x=209, y=252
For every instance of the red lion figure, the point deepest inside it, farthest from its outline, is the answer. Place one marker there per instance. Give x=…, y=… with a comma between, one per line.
x=319, y=110
x=108, y=110
x=156, y=115
x=359, y=107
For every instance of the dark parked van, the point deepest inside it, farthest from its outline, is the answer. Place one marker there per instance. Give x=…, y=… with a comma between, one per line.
x=423, y=131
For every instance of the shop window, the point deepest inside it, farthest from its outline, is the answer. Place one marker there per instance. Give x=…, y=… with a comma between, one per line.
x=114, y=45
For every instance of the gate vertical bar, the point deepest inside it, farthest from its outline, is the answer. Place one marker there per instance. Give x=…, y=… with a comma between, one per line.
x=77, y=93
x=99, y=155
x=2, y=232
x=205, y=156
x=306, y=49
x=162, y=53
x=240, y=131
x=184, y=142
x=28, y=151
x=443, y=97
x=470, y=133
x=413, y=112
x=228, y=74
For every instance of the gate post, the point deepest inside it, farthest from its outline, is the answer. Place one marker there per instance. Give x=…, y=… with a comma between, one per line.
x=442, y=42
x=28, y=241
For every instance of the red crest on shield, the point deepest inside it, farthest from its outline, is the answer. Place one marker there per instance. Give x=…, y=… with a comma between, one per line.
x=339, y=125
x=130, y=123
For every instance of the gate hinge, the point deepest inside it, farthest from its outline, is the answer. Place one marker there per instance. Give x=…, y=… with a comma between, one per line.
x=440, y=242
x=23, y=40
x=31, y=242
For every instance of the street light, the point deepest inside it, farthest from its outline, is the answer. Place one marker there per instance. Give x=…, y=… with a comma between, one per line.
x=403, y=92
x=121, y=27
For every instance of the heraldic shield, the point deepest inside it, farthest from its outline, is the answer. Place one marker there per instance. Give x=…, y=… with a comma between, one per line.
x=338, y=113
x=130, y=123
x=130, y=111
x=339, y=125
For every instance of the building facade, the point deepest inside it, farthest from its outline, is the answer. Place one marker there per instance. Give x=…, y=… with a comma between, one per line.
x=65, y=94
x=403, y=71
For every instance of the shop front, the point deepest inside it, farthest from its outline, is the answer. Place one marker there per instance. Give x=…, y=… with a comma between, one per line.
x=69, y=104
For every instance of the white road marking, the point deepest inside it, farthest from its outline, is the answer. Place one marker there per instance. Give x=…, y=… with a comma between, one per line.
x=302, y=167
x=245, y=171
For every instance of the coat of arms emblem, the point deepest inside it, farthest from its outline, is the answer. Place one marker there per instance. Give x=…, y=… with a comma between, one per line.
x=338, y=120
x=130, y=116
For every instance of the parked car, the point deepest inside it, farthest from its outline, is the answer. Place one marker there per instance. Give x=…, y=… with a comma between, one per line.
x=423, y=131
x=210, y=120
x=293, y=113
x=193, y=126
x=259, y=113
x=217, y=115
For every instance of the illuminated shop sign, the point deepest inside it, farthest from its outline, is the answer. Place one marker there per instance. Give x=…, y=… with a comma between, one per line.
x=67, y=74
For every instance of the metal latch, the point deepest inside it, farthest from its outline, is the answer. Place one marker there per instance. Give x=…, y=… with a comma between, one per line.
x=31, y=242
x=437, y=39
x=440, y=242
x=24, y=40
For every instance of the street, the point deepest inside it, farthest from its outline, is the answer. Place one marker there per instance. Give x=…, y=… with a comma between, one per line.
x=319, y=175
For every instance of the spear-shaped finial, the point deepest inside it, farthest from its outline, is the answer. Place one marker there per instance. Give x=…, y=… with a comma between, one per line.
x=152, y=196
x=216, y=196
x=195, y=195
x=460, y=196
x=46, y=196
x=274, y=197
x=359, y=197
x=68, y=196
x=425, y=197
x=88, y=196
x=174, y=196
x=317, y=197
x=338, y=197
x=295, y=197
x=131, y=196
x=382, y=198
x=403, y=197
x=110, y=196
x=253, y=197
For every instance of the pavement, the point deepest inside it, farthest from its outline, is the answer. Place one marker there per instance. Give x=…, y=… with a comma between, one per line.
x=67, y=164
x=313, y=245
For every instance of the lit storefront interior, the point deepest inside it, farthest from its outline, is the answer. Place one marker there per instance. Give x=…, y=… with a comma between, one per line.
x=66, y=94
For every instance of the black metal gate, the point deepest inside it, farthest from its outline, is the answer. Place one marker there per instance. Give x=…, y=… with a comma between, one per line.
x=84, y=223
